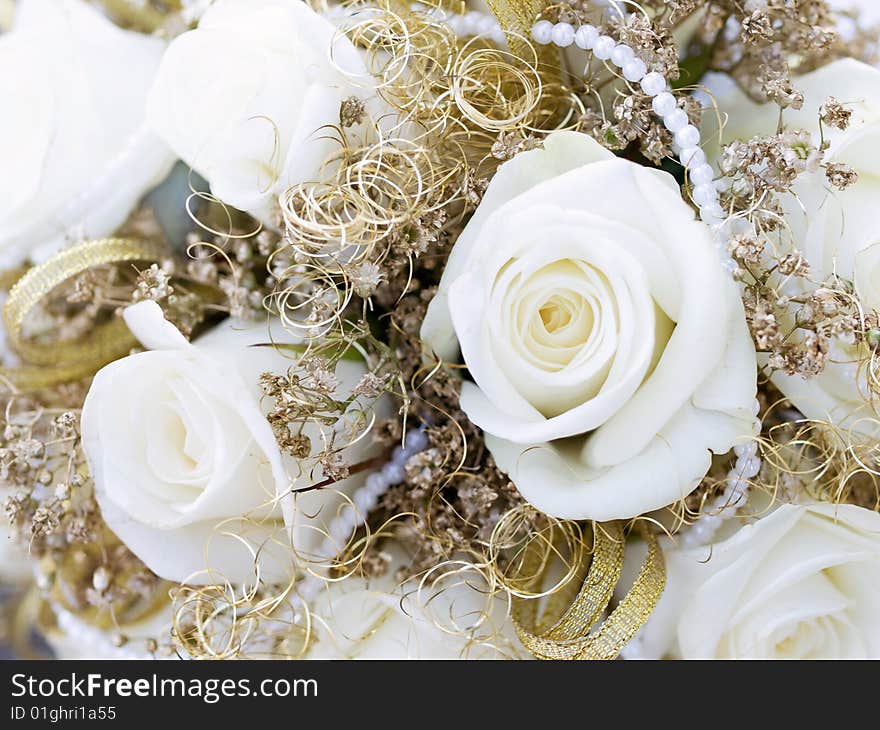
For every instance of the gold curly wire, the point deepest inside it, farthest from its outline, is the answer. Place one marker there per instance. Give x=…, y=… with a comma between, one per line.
x=330, y=226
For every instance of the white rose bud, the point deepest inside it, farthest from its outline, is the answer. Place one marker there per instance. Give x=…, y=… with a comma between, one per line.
x=248, y=98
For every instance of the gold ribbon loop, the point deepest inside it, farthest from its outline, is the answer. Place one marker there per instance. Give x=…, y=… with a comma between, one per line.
x=570, y=636
x=49, y=364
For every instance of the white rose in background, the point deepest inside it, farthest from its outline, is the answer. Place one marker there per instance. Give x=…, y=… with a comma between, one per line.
x=837, y=231
x=354, y=618
x=187, y=470
x=247, y=99
x=76, y=154
x=869, y=10
x=802, y=582
x=15, y=566
x=455, y=617
x=608, y=348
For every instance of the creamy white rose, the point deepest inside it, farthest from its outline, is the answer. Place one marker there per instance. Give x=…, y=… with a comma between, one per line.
x=835, y=230
x=247, y=98
x=187, y=471
x=608, y=349
x=76, y=154
x=802, y=582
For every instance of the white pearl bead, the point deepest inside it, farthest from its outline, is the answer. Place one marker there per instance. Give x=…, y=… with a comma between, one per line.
x=653, y=84
x=416, y=441
x=497, y=36
x=486, y=25
x=748, y=468
x=341, y=529
x=394, y=473
x=563, y=35
x=586, y=36
x=664, y=104
x=705, y=195
x=687, y=137
x=750, y=448
x=364, y=500
x=711, y=217
x=676, y=120
x=376, y=483
x=702, y=174
x=472, y=20
x=542, y=32
x=635, y=70
x=622, y=54
x=603, y=47
x=692, y=157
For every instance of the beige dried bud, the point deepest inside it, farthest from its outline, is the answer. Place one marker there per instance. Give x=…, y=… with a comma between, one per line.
x=794, y=265
x=365, y=278
x=835, y=114
x=840, y=175
x=757, y=28
x=351, y=111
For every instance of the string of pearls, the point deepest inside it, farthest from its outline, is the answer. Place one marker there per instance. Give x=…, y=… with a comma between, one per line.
x=471, y=23
x=349, y=519
x=705, y=195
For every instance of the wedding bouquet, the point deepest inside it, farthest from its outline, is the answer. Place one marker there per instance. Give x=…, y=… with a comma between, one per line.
x=379, y=329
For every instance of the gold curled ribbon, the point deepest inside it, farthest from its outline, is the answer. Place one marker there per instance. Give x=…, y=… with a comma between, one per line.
x=568, y=629
x=49, y=364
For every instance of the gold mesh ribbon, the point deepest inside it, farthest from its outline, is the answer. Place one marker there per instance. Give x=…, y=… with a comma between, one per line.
x=517, y=18
x=49, y=364
x=568, y=628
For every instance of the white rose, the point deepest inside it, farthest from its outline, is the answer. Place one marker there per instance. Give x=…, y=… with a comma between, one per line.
x=835, y=230
x=450, y=618
x=802, y=582
x=868, y=10
x=248, y=98
x=187, y=470
x=608, y=349
x=15, y=566
x=76, y=154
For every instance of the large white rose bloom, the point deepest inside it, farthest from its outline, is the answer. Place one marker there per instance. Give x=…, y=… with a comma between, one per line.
x=608, y=348
x=802, y=582
x=835, y=230
x=77, y=156
x=187, y=470
x=247, y=99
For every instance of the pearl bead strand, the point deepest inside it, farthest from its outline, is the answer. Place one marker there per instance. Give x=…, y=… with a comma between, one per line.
x=705, y=196
x=344, y=525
